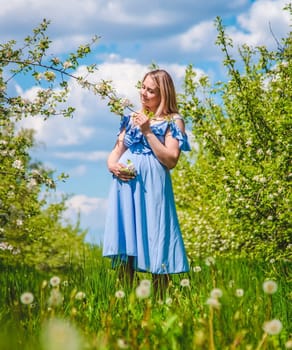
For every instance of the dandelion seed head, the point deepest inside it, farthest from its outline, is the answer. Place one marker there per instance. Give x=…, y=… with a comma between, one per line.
x=216, y=293
x=56, y=298
x=146, y=283
x=213, y=302
x=168, y=301
x=142, y=291
x=288, y=344
x=270, y=287
x=273, y=327
x=120, y=294
x=185, y=282
x=59, y=334
x=26, y=298
x=55, y=281
x=197, y=269
x=239, y=292
x=122, y=344
x=80, y=296
x=210, y=261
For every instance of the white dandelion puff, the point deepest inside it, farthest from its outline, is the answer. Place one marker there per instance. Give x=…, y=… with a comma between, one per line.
x=59, y=334
x=27, y=298
x=210, y=261
x=120, y=294
x=55, y=299
x=273, y=327
x=143, y=291
x=270, y=287
x=216, y=293
x=213, y=302
x=197, y=269
x=55, y=281
x=168, y=301
x=185, y=282
x=122, y=344
x=146, y=283
x=239, y=292
x=80, y=296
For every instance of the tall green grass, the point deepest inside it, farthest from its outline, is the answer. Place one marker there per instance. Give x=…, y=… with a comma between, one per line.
x=92, y=309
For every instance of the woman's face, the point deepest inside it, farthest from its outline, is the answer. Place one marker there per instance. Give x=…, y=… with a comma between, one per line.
x=150, y=95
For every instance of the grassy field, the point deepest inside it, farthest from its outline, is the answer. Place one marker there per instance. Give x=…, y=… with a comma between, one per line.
x=220, y=304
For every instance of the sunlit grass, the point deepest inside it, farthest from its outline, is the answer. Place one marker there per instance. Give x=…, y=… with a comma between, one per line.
x=220, y=304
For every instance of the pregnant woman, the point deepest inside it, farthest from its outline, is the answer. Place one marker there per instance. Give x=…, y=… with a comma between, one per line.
x=142, y=231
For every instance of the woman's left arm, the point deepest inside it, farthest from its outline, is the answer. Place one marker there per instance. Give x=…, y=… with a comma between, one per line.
x=167, y=153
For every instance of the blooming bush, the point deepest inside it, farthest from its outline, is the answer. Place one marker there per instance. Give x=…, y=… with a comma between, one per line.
x=233, y=193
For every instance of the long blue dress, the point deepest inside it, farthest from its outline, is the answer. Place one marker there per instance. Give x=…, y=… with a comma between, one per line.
x=141, y=219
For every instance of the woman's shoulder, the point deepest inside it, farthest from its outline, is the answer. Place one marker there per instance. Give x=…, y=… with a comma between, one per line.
x=177, y=131
x=177, y=121
x=175, y=116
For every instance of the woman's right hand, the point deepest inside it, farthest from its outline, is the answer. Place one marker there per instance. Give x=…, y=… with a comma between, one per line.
x=121, y=171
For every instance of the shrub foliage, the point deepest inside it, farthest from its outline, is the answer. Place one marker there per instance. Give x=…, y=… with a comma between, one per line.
x=233, y=194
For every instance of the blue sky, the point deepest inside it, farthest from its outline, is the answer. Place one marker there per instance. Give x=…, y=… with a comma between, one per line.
x=133, y=34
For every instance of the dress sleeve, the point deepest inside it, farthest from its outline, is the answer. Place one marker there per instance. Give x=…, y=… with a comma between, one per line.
x=125, y=120
x=176, y=132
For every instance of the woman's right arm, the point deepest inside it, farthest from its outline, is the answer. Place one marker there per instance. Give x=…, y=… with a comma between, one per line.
x=118, y=169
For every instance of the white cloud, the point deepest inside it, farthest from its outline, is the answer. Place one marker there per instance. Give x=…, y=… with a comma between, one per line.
x=92, y=212
x=79, y=170
x=198, y=37
x=84, y=156
x=58, y=131
x=85, y=205
x=256, y=24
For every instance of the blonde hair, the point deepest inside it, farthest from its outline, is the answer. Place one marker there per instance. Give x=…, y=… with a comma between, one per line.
x=164, y=82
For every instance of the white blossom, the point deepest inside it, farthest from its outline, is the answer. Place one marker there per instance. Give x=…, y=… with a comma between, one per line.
x=17, y=164
x=19, y=222
x=248, y=142
x=67, y=64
